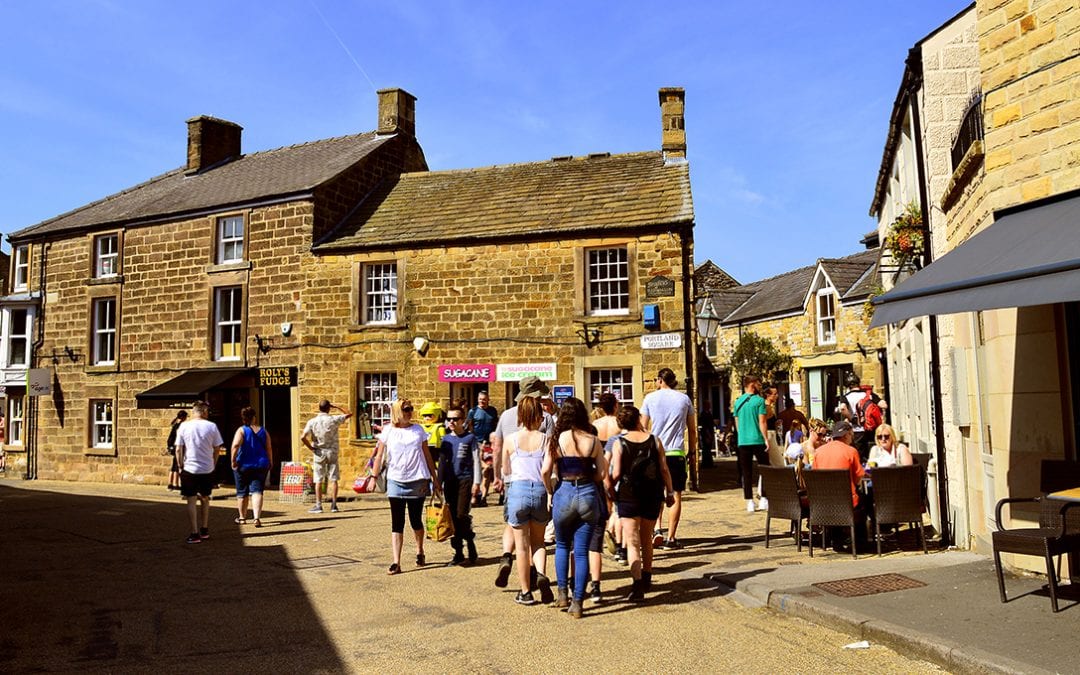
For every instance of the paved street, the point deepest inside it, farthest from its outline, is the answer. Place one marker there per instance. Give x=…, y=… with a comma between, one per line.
x=97, y=577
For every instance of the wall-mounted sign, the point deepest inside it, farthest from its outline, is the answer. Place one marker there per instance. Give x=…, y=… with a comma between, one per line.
x=277, y=377
x=661, y=341
x=513, y=372
x=467, y=372
x=39, y=382
x=660, y=287
x=795, y=392
x=561, y=392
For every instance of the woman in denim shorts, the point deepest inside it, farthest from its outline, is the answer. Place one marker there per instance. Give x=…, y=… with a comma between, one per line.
x=252, y=458
x=525, y=452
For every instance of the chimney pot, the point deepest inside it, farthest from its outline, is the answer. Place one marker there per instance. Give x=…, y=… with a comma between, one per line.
x=397, y=112
x=211, y=141
x=672, y=126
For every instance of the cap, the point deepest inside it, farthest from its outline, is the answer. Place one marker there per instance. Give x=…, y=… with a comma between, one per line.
x=841, y=429
x=531, y=386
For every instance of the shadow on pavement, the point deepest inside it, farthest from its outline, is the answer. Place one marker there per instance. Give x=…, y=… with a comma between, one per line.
x=98, y=583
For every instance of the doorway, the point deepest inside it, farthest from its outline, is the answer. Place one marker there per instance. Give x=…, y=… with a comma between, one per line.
x=276, y=405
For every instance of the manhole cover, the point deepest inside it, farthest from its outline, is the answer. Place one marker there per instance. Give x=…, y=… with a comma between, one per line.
x=879, y=583
x=319, y=561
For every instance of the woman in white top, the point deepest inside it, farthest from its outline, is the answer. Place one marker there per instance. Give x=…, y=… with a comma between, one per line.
x=402, y=449
x=888, y=450
x=525, y=452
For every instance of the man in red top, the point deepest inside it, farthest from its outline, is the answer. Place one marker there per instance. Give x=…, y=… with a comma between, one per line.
x=839, y=453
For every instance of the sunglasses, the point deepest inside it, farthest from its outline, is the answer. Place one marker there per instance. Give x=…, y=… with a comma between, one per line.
x=454, y=419
x=883, y=437
x=406, y=408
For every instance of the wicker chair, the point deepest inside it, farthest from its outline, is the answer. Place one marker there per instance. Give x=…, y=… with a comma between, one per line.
x=898, y=498
x=778, y=486
x=829, y=491
x=1058, y=532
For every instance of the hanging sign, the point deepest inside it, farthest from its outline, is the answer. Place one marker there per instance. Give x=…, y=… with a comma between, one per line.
x=39, y=382
x=661, y=341
x=467, y=372
x=513, y=372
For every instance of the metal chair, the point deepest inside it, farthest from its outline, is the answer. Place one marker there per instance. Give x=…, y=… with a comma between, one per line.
x=1058, y=532
x=779, y=487
x=829, y=492
x=898, y=498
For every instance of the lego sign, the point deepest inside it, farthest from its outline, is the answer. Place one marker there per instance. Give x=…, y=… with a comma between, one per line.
x=469, y=372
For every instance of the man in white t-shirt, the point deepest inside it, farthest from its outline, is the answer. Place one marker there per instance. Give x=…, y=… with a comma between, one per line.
x=198, y=441
x=669, y=415
x=321, y=437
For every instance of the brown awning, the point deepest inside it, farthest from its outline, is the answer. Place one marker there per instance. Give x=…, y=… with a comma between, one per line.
x=187, y=387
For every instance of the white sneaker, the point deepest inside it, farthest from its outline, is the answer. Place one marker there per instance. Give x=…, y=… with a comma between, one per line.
x=763, y=504
x=750, y=506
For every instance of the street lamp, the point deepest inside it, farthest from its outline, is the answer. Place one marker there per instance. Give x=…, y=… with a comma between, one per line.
x=707, y=321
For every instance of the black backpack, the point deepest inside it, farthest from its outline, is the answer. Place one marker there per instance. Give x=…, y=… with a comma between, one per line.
x=644, y=476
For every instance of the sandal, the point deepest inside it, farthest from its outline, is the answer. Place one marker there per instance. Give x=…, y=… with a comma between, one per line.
x=258, y=523
x=394, y=569
x=239, y=520
x=420, y=560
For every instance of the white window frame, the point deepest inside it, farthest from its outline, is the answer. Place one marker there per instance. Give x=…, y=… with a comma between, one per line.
x=102, y=424
x=106, y=255
x=826, y=321
x=379, y=293
x=607, y=281
x=20, y=278
x=104, y=331
x=230, y=239
x=228, y=323
x=379, y=390
x=619, y=380
x=13, y=337
x=711, y=347
x=15, y=419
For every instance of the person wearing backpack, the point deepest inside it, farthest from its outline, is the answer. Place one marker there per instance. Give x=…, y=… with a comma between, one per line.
x=644, y=483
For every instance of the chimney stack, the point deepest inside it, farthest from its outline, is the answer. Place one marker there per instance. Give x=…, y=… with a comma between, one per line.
x=672, y=127
x=211, y=141
x=397, y=112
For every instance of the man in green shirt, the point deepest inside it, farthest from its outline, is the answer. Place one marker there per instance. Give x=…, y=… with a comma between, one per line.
x=750, y=425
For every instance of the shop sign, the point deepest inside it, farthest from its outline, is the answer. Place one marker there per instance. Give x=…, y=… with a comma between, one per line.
x=561, y=392
x=660, y=287
x=39, y=382
x=513, y=372
x=795, y=392
x=467, y=372
x=661, y=341
x=277, y=377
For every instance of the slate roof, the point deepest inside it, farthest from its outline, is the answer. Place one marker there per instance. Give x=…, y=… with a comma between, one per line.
x=563, y=195
x=259, y=175
x=853, y=276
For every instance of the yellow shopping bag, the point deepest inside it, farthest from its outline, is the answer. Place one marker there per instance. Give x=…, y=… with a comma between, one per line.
x=438, y=522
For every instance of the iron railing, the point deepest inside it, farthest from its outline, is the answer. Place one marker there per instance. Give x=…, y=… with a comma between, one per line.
x=971, y=130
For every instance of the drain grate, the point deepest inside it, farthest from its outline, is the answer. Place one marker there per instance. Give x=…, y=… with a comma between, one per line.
x=318, y=561
x=879, y=583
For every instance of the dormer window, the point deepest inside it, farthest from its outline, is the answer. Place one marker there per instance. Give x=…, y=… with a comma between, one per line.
x=826, y=315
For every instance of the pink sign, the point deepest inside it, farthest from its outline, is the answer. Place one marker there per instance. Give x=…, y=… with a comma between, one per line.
x=467, y=372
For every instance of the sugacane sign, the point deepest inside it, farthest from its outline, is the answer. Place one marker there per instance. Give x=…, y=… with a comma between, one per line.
x=467, y=372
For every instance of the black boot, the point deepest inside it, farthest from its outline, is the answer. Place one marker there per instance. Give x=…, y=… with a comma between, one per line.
x=503, y=576
x=637, y=591
x=458, y=558
x=646, y=580
x=472, y=551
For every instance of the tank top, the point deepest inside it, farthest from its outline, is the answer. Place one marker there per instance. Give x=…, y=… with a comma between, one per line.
x=573, y=467
x=252, y=452
x=526, y=465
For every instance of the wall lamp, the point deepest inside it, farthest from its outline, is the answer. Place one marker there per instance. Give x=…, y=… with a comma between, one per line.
x=421, y=344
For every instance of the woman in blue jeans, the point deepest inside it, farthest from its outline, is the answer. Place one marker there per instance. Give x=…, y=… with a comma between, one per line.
x=579, y=458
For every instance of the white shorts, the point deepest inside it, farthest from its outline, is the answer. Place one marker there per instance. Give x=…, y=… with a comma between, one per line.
x=325, y=467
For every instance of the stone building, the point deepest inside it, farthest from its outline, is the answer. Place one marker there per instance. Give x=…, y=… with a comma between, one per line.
x=344, y=269
x=814, y=314
x=1006, y=256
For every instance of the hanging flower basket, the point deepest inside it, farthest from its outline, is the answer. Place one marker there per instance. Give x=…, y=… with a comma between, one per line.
x=906, y=236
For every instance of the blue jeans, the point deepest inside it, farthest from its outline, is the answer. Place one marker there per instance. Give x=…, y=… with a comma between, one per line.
x=576, y=510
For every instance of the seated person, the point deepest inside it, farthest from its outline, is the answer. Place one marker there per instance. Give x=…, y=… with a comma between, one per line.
x=887, y=450
x=839, y=453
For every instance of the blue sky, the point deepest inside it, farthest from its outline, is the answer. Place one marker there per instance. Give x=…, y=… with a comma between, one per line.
x=787, y=102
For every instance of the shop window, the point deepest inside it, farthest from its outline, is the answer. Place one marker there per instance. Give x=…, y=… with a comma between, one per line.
x=608, y=281
x=228, y=323
x=106, y=256
x=618, y=381
x=19, y=321
x=379, y=390
x=379, y=293
x=15, y=419
x=101, y=424
x=20, y=281
x=103, y=350
x=826, y=316
x=230, y=239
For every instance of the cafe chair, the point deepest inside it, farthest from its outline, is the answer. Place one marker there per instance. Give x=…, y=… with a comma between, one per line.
x=1059, y=525
x=829, y=492
x=898, y=498
x=779, y=487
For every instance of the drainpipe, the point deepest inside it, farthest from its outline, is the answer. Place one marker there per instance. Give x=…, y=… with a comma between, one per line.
x=30, y=403
x=689, y=346
x=914, y=63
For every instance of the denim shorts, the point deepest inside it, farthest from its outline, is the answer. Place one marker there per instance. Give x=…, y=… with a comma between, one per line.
x=526, y=501
x=249, y=481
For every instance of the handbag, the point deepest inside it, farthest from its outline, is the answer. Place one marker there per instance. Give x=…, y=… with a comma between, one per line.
x=438, y=521
x=364, y=484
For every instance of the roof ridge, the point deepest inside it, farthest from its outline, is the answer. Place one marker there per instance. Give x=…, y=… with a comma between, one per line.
x=305, y=143
x=583, y=159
